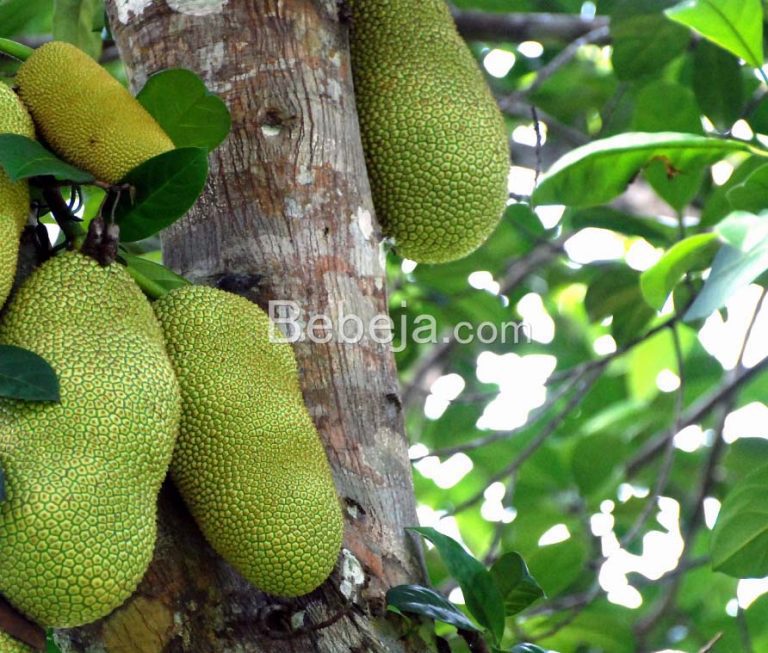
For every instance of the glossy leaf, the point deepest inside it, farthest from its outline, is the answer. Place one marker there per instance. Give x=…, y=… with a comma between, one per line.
x=517, y=587
x=25, y=375
x=717, y=84
x=22, y=157
x=188, y=112
x=480, y=592
x=596, y=173
x=692, y=253
x=736, y=25
x=153, y=278
x=428, y=603
x=166, y=187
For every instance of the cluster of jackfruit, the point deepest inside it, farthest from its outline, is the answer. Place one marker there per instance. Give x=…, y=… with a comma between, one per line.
x=435, y=143
x=192, y=383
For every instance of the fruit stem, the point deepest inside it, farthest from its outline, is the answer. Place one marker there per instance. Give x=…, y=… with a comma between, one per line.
x=15, y=49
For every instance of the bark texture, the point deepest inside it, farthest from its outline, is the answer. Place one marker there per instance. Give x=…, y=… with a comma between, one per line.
x=287, y=215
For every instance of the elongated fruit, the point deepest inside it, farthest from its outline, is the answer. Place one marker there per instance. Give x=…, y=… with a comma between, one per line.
x=249, y=462
x=85, y=114
x=10, y=645
x=14, y=196
x=435, y=144
x=77, y=529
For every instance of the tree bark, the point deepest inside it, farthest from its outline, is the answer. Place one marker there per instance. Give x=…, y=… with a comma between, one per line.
x=286, y=215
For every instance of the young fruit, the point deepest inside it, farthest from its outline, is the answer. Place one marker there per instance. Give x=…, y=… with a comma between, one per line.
x=249, y=462
x=85, y=114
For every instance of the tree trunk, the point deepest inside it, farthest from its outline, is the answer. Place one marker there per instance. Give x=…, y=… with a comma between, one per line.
x=287, y=215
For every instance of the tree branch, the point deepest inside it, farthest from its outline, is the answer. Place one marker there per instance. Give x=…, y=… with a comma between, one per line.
x=519, y=27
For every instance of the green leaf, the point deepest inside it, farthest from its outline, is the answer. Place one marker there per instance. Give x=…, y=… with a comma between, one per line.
x=16, y=14
x=557, y=566
x=166, y=188
x=428, y=603
x=480, y=592
x=740, y=261
x=188, y=112
x=644, y=43
x=154, y=279
x=21, y=157
x=740, y=537
x=526, y=648
x=752, y=193
x=596, y=173
x=692, y=253
x=74, y=20
x=663, y=106
x=25, y=375
x=717, y=84
x=596, y=459
x=616, y=293
x=736, y=25
x=516, y=585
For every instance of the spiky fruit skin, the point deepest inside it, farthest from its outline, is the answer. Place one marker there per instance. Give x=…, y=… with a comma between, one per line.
x=435, y=144
x=14, y=196
x=249, y=462
x=10, y=645
x=85, y=114
x=78, y=527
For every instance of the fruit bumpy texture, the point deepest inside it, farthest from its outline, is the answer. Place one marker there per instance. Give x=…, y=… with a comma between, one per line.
x=10, y=645
x=435, y=143
x=86, y=116
x=248, y=461
x=78, y=527
x=14, y=196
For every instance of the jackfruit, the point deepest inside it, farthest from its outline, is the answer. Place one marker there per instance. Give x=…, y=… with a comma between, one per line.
x=10, y=645
x=78, y=526
x=248, y=461
x=14, y=196
x=435, y=144
x=85, y=114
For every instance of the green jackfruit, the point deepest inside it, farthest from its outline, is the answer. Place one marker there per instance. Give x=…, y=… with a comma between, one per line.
x=14, y=196
x=249, y=462
x=78, y=526
x=85, y=114
x=435, y=144
x=10, y=645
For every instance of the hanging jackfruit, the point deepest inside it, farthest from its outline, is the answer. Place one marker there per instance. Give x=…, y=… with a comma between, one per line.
x=435, y=143
x=77, y=529
x=249, y=462
x=14, y=196
x=86, y=115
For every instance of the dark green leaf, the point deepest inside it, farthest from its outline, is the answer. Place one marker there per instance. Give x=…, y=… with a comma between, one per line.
x=188, y=112
x=516, y=585
x=596, y=459
x=73, y=21
x=166, y=188
x=154, y=279
x=663, y=106
x=23, y=158
x=736, y=25
x=692, y=253
x=644, y=43
x=740, y=537
x=25, y=375
x=596, y=173
x=16, y=14
x=717, y=84
x=480, y=592
x=428, y=603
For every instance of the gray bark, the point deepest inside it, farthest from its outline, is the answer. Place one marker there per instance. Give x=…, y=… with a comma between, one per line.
x=287, y=214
